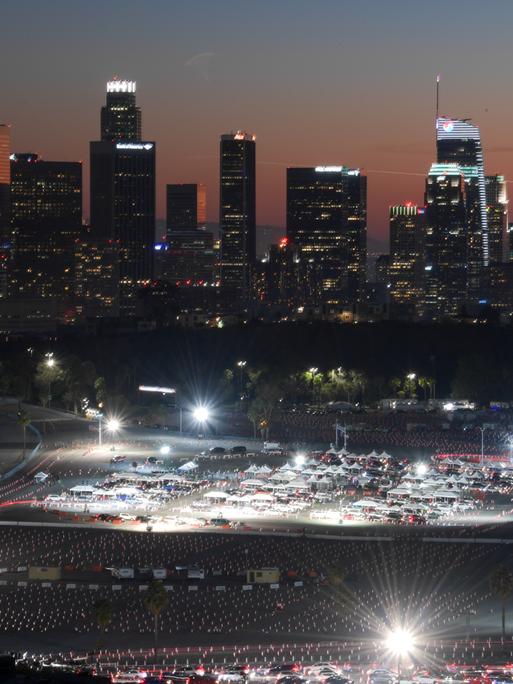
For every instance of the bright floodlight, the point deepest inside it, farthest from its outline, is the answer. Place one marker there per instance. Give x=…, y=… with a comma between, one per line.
x=422, y=469
x=299, y=459
x=50, y=362
x=113, y=425
x=201, y=414
x=165, y=449
x=399, y=642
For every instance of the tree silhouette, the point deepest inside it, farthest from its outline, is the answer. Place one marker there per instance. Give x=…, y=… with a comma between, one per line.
x=156, y=600
x=24, y=421
x=501, y=584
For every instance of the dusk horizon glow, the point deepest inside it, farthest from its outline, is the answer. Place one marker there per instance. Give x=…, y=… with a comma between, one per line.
x=319, y=83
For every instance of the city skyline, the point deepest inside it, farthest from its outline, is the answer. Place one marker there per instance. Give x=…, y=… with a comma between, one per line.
x=378, y=117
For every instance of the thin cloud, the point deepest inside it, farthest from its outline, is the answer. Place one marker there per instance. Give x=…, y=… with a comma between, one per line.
x=201, y=63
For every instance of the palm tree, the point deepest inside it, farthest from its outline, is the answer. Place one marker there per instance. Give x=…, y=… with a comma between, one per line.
x=103, y=612
x=24, y=421
x=103, y=615
x=156, y=600
x=501, y=584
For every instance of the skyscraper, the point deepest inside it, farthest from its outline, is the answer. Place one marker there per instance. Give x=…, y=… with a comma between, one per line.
x=120, y=116
x=327, y=221
x=459, y=142
x=46, y=212
x=123, y=195
x=186, y=207
x=237, y=218
x=189, y=257
x=445, y=246
x=406, y=254
x=497, y=216
x=5, y=182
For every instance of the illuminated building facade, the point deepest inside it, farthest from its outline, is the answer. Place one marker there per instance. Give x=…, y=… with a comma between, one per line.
x=188, y=256
x=406, y=223
x=120, y=116
x=5, y=182
x=96, y=278
x=237, y=218
x=186, y=205
x=281, y=283
x=123, y=201
x=458, y=141
x=327, y=221
x=497, y=217
x=445, y=244
x=46, y=215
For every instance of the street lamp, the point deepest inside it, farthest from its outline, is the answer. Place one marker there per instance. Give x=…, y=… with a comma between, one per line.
x=411, y=376
x=112, y=425
x=482, y=444
x=300, y=459
x=50, y=363
x=421, y=469
x=399, y=642
x=201, y=414
x=510, y=444
x=241, y=365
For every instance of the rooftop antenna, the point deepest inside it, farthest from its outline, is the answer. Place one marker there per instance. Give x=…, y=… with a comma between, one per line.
x=437, y=94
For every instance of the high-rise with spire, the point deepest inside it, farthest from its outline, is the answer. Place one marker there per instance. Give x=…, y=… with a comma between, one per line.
x=458, y=141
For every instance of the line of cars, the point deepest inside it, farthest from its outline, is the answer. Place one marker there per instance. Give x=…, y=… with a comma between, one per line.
x=283, y=673
x=314, y=673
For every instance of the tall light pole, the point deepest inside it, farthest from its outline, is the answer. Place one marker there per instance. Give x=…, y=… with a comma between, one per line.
x=482, y=444
x=241, y=365
x=313, y=373
x=201, y=415
x=50, y=363
x=399, y=642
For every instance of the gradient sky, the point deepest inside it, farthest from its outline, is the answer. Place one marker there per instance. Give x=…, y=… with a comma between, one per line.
x=318, y=82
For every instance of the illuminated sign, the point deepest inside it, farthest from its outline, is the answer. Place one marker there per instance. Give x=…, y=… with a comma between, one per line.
x=121, y=87
x=328, y=169
x=160, y=390
x=134, y=146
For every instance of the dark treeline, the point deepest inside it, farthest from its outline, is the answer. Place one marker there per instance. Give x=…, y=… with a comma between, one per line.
x=475, y=361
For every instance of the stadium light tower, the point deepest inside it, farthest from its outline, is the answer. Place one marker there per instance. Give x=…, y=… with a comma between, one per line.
x=399, y=642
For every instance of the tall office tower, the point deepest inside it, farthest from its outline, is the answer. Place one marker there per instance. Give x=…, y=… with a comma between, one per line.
x=237, y=219
x=120, y=116
x=5, y=183
x=96, y=278
x=123, y=205
x=186, y=207
x=459, y=142
x=189, y=257
x=497, y=214
x=445, y=243
x=382, y=269
x=406, y=254
x=281, y=282
x=46, y=214
x=327, y=221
